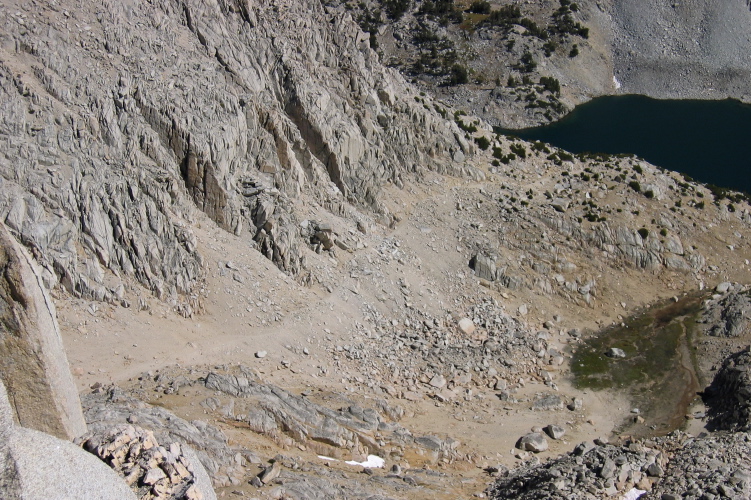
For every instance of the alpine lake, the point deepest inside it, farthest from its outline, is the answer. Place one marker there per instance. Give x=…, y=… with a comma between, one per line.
x=707, y=141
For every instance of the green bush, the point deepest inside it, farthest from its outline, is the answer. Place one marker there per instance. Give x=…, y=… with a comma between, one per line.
x=643, y=232
x=527, y=63
x=551, y=84
x=395, y=9
x=635, y=186
x=480, y=7
x=518, y=150
x=482, y=142
x=458, y=75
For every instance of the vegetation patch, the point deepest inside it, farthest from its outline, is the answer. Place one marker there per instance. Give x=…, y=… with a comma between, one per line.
x=652, y=341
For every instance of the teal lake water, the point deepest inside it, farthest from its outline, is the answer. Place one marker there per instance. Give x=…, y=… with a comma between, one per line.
x=708, y=140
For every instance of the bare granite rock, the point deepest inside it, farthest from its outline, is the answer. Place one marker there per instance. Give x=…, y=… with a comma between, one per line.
x=117, y=132
x=37, y=466
x=33, y=365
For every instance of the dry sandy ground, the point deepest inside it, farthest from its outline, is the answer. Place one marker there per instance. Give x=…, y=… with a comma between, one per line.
x=254, y=307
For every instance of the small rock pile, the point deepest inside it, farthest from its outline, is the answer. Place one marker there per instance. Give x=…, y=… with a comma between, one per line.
x=718, y=466
x=151, y=470
x=592, y=471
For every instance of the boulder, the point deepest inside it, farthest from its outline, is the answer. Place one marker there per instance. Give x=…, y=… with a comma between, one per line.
x=35, y=465
x=33, y=365
x=484, y=267
x=534, y=442
x=467, y=326
x=615, y=353
x=555, y=431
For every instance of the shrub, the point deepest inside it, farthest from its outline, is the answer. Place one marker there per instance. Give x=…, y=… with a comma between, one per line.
x=482, y=142
x=635, y=186
x=551, y=84
x=574, y=51
x=480, y=7
x=643, y=232
x=505, y=16
x=549, y=47
x=458, y=75
x=527, y=63
x=395, y=9
x=519, y=150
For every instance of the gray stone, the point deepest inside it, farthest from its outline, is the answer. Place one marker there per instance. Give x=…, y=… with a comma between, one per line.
x=615, y=353
x=484, y=267
x=576, y=404
x=547, y=402
x=555, y=431
x=33, y=365
x=270, y=473
x=467, y=326
x=52, y=468
x=655, y=470
x=534, y=442
x=438, y=381
x=723, y=287
x=608, y=469
x=561, y=204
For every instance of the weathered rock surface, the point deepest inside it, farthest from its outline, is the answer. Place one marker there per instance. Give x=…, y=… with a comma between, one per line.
x=119, y=121
x=729, y=396
x=112, y=408
x=35, y=465
x=350, y=431
x=729, y=316
x=33, y=365
x=151, y=470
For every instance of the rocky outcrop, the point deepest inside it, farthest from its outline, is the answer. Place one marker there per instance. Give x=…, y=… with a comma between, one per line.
x=729, y=396
x=111, y=408
x=152, y=471
x=35, y=465
x=117, y=122
x=729, y=315
x=33, y=365
x=290, y=419
x=677, y=466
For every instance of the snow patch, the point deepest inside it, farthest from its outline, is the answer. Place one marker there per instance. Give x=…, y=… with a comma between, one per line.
x=616, y=83
x=373, y=462
x=633, y=494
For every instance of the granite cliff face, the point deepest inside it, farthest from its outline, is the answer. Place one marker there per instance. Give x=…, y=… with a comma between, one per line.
x=119, y=120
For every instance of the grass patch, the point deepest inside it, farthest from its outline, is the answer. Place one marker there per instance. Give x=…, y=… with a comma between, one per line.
x=650, y=340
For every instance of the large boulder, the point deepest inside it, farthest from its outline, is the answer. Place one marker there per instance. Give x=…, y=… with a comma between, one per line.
x=33, y=365
x=36, y=466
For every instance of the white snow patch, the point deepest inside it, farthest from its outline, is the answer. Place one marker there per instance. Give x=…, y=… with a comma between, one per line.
x=633, y=494
x=373, y=462
x=616, y=83
x=327, y=458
